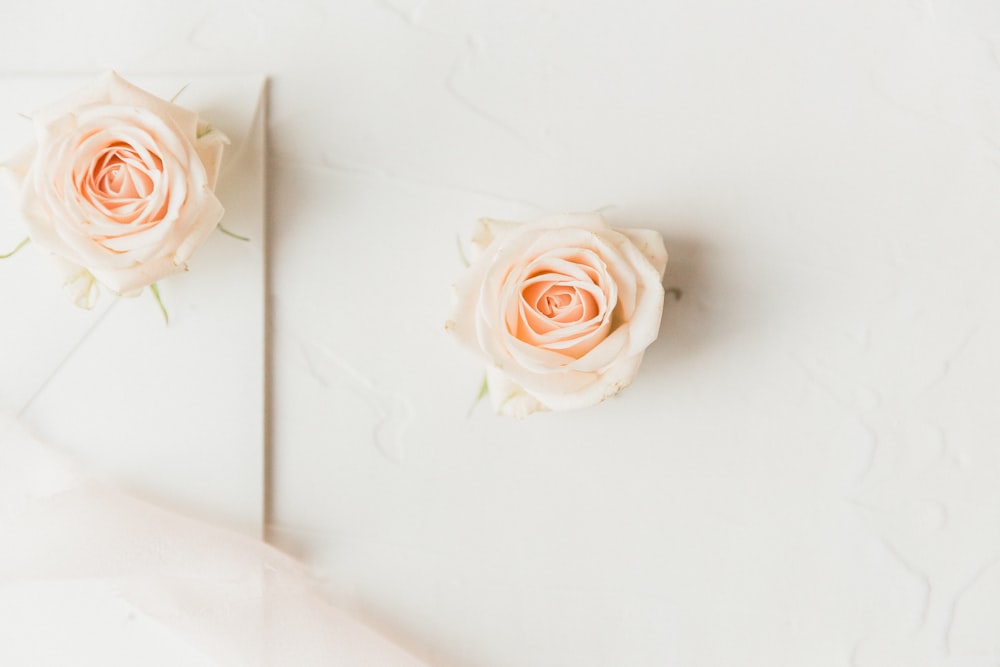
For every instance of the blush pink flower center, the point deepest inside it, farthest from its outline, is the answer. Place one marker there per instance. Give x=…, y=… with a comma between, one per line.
x=563, y=302
x=119, y=180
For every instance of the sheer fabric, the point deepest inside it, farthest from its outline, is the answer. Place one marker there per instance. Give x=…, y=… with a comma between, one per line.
x=111, y=579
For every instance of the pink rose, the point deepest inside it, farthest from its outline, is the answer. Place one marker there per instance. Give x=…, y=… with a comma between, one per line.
x=119, y=187
x=561, y=310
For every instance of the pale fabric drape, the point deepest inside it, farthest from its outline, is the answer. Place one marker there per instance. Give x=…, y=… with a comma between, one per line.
x=69, y=544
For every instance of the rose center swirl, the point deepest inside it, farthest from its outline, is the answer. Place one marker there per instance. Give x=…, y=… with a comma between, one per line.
x=121, y=181
x=562, y=299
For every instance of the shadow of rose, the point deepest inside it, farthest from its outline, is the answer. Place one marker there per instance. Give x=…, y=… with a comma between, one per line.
x=688, y=326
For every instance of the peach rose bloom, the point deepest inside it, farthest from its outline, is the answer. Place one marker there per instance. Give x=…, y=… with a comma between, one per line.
x=119, y=187
x=561, y=310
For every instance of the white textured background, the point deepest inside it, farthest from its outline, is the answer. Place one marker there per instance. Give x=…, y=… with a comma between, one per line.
x=807, y=471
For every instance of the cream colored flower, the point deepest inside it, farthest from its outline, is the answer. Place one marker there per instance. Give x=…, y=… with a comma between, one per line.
x=561, y=310
x=119, y=187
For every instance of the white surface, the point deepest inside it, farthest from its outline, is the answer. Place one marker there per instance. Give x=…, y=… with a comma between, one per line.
x=113, y=385
x=805, y=472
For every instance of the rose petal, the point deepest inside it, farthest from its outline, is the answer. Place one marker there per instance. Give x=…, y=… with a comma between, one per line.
x=210, y=148
x=541, y=373
x=485, y=232
x=620, y=271
x=644, y=325
x=78, y=283
x=605, y=353
x=650, y=244
x=461, y=321
x=602, y=387
x=123, y=93
x=127, y=281
x=583, y=221
x=508, y=398
x=15, y=168
x=205, y=223
x=62, y=111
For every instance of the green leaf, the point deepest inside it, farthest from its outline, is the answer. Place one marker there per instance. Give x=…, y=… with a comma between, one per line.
x=159, y=301
x=19, y=246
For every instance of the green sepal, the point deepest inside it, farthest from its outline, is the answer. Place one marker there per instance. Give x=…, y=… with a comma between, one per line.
x=484, y=390
x=159, y=301
x=20, y=245
x=234, y=235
